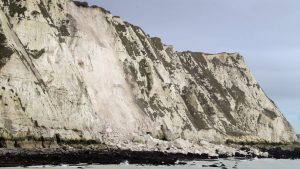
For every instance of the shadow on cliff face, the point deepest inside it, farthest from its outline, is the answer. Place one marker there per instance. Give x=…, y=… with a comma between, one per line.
x=5, y=51
x=2, y=143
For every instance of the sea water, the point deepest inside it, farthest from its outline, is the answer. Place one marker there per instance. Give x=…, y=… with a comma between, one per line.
x=213, y=164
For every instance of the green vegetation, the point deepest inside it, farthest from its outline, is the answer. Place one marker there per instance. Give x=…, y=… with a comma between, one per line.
x=86, y=5
x=44, y=11
x=158, y=107
x=131, y=47
x=120, y=28
x=142, y=68
x=81, y=4
x=157, y=43
x=130, y=70
x=144, y=40
x=237, y=94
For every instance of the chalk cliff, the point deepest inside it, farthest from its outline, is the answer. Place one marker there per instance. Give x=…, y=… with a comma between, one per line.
x=70, y=72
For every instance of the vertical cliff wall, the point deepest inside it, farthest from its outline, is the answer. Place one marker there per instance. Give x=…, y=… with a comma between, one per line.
x=72, y=72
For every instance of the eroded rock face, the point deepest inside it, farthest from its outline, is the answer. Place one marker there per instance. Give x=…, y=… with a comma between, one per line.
x=71, y=72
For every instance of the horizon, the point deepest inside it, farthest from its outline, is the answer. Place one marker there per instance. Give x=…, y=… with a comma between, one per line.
x=250, y=34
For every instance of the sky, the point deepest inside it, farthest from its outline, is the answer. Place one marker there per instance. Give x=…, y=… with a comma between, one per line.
x=265, y=32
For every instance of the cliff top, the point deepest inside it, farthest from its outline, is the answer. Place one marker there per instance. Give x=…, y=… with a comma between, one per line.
x=86, y=5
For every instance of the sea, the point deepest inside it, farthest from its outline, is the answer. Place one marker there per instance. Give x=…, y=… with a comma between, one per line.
x=213, y=164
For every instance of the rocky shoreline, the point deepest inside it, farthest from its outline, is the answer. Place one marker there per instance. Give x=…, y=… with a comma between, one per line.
x=75, y=156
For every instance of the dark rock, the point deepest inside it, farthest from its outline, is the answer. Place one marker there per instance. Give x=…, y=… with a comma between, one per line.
x=216, y=165
x=181, y=163
x=247, y=149
x=24, y=157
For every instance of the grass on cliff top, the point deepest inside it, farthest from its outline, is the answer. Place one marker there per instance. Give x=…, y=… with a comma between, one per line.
x=86, y=5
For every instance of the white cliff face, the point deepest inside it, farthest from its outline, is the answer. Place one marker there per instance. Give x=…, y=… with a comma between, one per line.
x=78, y=73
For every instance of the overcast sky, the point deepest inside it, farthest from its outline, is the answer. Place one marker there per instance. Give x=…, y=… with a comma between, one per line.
x=265, y=32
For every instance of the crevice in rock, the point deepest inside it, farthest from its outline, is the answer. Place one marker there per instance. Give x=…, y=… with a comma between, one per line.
x=2, y=143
